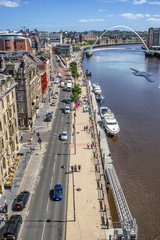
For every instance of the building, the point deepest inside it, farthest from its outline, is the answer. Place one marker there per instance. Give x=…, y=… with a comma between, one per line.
x=14, y=42
x=56, y=37
x=153, y=40
x=9, y=133
x=64, y=49
x=26, y=71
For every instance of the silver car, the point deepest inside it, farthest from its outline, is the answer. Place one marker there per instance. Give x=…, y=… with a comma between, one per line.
x=64, y=136
x=67, y=109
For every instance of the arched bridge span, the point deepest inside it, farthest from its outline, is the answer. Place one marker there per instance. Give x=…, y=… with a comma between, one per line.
x=121, y=27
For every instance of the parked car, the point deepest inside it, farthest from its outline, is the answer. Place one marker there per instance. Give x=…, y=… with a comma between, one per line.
x=20, y=201
x=57, y=192
x=12, y=227
x=68, y=101
x=49, y=113
x=55, y=96
x=48, y=118
x=67, y=109
x=64, y=136
x=53, y=104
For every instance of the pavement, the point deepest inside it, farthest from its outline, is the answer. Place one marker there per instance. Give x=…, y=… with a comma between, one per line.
x=85, y=216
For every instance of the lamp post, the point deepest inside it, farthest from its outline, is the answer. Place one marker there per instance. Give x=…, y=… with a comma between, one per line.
x=75, y=132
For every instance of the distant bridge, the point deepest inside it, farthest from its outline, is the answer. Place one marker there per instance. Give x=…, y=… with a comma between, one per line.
x=121, y=26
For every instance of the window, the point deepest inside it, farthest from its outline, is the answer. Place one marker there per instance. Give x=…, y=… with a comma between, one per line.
x=2, y=104
x=12, y=94
x=7, y=98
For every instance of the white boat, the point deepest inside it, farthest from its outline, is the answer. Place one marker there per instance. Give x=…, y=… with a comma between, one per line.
x=109, y=121
x=97, y=89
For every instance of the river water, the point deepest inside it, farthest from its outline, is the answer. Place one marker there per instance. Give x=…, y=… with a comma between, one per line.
x=136, y=150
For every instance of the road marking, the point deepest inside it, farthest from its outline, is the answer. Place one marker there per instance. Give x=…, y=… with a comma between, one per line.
x=27, y=213
x=51, y=182
x=43, y=230
x=54, y=164
x=47, y=205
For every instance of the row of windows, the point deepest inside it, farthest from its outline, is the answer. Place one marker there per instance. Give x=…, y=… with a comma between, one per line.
x=8, y=99
x=9, y=115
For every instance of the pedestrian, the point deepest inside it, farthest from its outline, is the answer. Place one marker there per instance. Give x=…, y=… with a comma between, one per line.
x=75, y=167
x=95, y=143
x=91, y=145
x=34, y=131
x=79, y=168
x=21, y=139
x=38, y=134
x=84, y=128
x=87, y=127
x=92, y=125
x=88, y=145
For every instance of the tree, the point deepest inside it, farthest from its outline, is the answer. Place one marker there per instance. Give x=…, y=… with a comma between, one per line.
x=76, y=91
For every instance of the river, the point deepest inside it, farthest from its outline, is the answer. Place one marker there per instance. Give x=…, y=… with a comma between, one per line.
x=136, y=150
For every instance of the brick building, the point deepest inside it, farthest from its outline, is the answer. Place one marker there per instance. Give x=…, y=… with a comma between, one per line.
x=13, y=42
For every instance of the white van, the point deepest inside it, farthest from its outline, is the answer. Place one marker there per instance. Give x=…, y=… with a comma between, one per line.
x=59, y=75
x=67, y=109
x=62, y=84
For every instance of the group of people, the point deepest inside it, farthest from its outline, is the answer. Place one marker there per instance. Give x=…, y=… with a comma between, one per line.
x=92, y=145
x=75, y=168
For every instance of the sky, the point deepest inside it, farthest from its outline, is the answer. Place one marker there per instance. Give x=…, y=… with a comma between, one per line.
x=79, y=15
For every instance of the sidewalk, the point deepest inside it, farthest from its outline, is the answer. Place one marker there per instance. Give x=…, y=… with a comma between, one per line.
x=84, y=219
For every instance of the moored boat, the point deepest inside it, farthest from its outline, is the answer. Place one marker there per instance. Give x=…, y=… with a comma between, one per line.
x=109, y=121
x=100, y=98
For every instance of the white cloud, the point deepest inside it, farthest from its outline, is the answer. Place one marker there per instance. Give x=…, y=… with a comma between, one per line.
x=139, y=2
x=8, y=3
x=110, y=15
x=153, y=20
x=156, y=15
x=147, y=15
x=101, y=10
x=91, y=20
x=132, y=16
x=156, y=2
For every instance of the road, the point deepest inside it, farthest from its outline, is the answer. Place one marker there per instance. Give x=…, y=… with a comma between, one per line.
x=46, y=218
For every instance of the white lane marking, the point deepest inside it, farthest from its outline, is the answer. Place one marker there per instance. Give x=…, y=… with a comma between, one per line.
x=54, y=165
x=43, y=230
x=51, y=182
x=47, y=205
x=27, y=213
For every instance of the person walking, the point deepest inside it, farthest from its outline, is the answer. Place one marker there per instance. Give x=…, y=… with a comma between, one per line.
x=88, y=145
x=91, y=145
x=84, y=128
x=79, y=168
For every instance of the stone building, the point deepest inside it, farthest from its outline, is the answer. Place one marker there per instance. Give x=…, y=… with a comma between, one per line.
x=9, y=133
x=26, y=70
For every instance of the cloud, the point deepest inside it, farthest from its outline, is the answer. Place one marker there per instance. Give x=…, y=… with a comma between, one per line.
x=153, y=20
x=156, y=15
x=101, y=10
x=91, y=20
x=132, y=16
x=147, y=15
x=139, y=2
x=7, y=3
x=156, y=2
x=110, y=15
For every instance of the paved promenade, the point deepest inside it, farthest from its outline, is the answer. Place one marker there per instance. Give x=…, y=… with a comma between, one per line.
x=85, y=215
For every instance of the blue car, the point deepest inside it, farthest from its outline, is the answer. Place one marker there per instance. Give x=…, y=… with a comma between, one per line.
x=68, y=101
x=58, y=190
